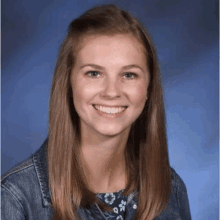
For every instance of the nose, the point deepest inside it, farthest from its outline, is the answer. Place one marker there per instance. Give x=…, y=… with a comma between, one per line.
x=111, y=88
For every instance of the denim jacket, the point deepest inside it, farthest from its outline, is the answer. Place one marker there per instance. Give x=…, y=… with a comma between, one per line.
x=25, y=194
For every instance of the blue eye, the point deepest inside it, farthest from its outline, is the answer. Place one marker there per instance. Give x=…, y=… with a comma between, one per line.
x=133, y=74
x=94, y=74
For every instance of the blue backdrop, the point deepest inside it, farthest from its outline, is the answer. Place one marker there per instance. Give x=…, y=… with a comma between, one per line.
x=186, y=35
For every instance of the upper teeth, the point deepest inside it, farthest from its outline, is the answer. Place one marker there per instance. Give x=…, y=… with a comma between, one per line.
x=109, y=110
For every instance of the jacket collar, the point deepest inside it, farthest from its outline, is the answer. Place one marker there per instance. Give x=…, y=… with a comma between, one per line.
x=40, y=163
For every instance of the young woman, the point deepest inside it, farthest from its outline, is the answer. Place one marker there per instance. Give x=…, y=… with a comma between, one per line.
x=106, y=155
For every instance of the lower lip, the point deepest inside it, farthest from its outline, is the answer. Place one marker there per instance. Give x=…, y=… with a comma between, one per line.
x=110, y=115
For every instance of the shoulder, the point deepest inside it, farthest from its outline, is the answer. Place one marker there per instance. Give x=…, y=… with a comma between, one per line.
x=22, y=168
x=26, y=170
x=179, y=195
x=176, y=181
x=179, y=201
x=16, y=186
x=20, y=181
x=24, y=189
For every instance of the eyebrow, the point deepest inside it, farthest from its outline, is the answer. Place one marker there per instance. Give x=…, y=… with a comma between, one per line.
x=102, y=68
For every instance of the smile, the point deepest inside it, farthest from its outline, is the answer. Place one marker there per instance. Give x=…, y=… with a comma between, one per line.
x=109, y=110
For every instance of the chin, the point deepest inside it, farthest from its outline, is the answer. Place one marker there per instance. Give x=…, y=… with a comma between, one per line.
x=114, y=131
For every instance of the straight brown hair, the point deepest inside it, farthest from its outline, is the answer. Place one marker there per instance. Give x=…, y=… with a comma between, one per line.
x=146, y=153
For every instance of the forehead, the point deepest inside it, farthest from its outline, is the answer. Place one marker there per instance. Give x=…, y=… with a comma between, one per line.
x=100, y=48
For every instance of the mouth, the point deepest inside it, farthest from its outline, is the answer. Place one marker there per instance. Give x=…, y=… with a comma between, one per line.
x=110, y=110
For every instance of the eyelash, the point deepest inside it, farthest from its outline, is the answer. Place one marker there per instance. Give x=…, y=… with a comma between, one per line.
x=134, y=74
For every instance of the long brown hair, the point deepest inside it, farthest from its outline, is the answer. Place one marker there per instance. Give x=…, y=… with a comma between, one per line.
x=146, y=153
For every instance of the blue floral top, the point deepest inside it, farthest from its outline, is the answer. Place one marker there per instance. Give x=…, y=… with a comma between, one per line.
x=115, y=200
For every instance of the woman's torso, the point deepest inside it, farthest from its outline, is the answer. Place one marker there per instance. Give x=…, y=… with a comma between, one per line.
x=26, y=195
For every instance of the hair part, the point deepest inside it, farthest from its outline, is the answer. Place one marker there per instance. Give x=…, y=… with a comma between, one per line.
x=146, y=153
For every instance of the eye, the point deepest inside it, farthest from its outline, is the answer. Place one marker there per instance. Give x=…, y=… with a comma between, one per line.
x=92, y=73
x=131, y=74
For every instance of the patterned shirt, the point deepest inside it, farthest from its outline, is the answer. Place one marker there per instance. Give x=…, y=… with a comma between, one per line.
x=115, y=200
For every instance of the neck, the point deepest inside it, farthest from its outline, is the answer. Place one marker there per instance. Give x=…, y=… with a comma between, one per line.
x=104, y=163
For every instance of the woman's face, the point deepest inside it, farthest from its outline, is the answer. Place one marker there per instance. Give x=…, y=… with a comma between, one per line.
x=109, y=71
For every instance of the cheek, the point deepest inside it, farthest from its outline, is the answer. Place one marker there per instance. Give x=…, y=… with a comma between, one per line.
x=138, y=94
x=83, y=92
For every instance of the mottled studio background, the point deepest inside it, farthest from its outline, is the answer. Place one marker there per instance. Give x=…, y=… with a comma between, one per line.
x=186, y=35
